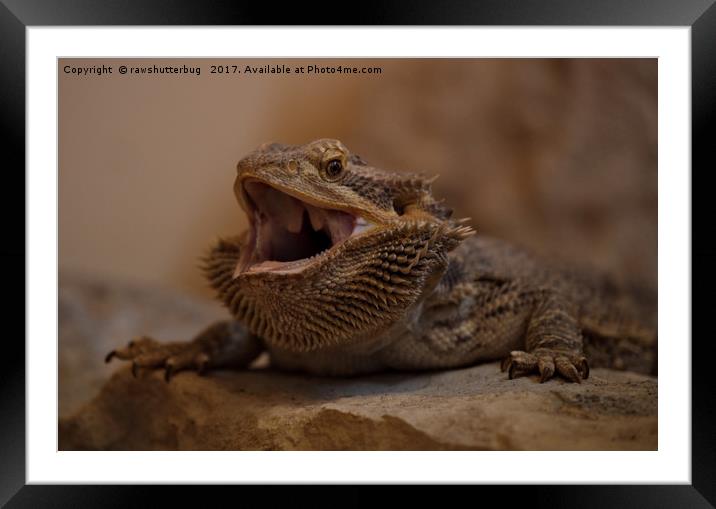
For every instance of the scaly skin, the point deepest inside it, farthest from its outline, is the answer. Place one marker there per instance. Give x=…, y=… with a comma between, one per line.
x=414, y=291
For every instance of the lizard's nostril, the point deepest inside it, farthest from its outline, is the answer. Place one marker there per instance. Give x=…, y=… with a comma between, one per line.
x=398, y=207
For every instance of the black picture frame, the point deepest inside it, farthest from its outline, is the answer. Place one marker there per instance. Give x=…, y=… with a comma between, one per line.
x=16, y=15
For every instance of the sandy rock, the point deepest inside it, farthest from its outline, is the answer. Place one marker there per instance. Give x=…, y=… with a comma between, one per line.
x=96, y=316
x=473, y=408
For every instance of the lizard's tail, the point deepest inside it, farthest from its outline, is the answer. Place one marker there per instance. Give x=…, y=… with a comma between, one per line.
x=622, y=334
x=628, y=353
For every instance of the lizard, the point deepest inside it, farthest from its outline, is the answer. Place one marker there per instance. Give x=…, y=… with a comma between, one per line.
x=347, y=269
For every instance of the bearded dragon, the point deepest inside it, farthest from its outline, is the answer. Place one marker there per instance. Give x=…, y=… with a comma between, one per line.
x=348, y=269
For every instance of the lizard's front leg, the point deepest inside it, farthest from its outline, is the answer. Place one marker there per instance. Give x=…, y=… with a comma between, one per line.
x=223, y=344
x=553, y=342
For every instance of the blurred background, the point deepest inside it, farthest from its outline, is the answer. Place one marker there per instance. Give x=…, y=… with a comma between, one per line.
x=558, y=155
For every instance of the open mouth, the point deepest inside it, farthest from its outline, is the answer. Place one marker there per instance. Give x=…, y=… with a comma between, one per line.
x=287, y=234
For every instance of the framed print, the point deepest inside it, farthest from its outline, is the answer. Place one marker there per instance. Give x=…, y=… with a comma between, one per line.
x=241, y=267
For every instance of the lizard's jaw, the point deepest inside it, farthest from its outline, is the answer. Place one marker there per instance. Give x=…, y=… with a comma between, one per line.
x=287, y=234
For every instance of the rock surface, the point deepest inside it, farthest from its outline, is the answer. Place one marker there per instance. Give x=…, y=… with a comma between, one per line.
x=96, y=316
x=473, y=408
x=104, y=407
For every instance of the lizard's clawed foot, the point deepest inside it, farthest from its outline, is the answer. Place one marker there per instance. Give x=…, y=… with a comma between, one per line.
x=145, y=352
x=573, y=367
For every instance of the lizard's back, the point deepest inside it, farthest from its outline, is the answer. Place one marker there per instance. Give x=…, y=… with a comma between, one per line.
x=618, y=318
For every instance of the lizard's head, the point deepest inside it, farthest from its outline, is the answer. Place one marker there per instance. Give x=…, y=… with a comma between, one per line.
x=336, y=250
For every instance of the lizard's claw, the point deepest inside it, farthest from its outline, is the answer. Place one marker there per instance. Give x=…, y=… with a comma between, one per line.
x=145, y=352
x=573, y=367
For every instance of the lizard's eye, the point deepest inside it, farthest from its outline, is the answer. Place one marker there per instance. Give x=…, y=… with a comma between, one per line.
x=334, y=169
